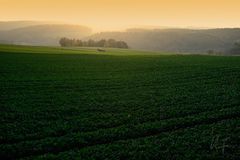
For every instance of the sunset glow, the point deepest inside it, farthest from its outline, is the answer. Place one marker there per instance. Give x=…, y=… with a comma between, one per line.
x=118, y=14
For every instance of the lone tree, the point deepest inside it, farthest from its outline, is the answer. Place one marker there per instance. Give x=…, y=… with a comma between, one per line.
x=63, y=42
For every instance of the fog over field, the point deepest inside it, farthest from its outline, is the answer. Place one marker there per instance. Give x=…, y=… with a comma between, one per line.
x=179, y=40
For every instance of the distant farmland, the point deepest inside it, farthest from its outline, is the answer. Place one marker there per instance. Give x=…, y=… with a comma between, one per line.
x=121, y=104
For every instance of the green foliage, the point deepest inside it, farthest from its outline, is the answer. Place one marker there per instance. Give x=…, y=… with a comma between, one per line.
x=76, y=104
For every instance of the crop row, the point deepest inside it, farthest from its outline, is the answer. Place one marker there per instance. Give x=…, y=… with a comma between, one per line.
x=103, y=136
x=98, y=119
x=208, y=141
x=33, y=121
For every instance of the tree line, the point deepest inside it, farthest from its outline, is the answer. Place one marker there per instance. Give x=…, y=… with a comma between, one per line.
x=111, y=43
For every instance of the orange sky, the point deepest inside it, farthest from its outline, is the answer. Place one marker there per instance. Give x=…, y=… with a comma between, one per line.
x=117, y=14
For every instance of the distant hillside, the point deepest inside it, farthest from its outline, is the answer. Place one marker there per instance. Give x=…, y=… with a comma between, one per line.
x=176, y=40
x=43, y=34
x=9, y=25
x=213, y=41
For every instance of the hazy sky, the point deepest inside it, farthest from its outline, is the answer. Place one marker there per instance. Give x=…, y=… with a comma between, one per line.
x=116, y=14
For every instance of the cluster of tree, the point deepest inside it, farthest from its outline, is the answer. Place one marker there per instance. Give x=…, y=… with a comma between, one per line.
x=112, y=43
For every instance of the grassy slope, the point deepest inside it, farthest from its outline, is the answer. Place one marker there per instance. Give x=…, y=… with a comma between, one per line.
x=76, y=103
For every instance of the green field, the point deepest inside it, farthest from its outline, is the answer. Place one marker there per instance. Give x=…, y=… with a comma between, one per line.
x=121, y=104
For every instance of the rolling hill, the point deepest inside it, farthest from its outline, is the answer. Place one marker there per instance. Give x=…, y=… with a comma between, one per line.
x=48, y=34
x=9, y=25
x=176, y=40
x=59, y=103
x=217, y=41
